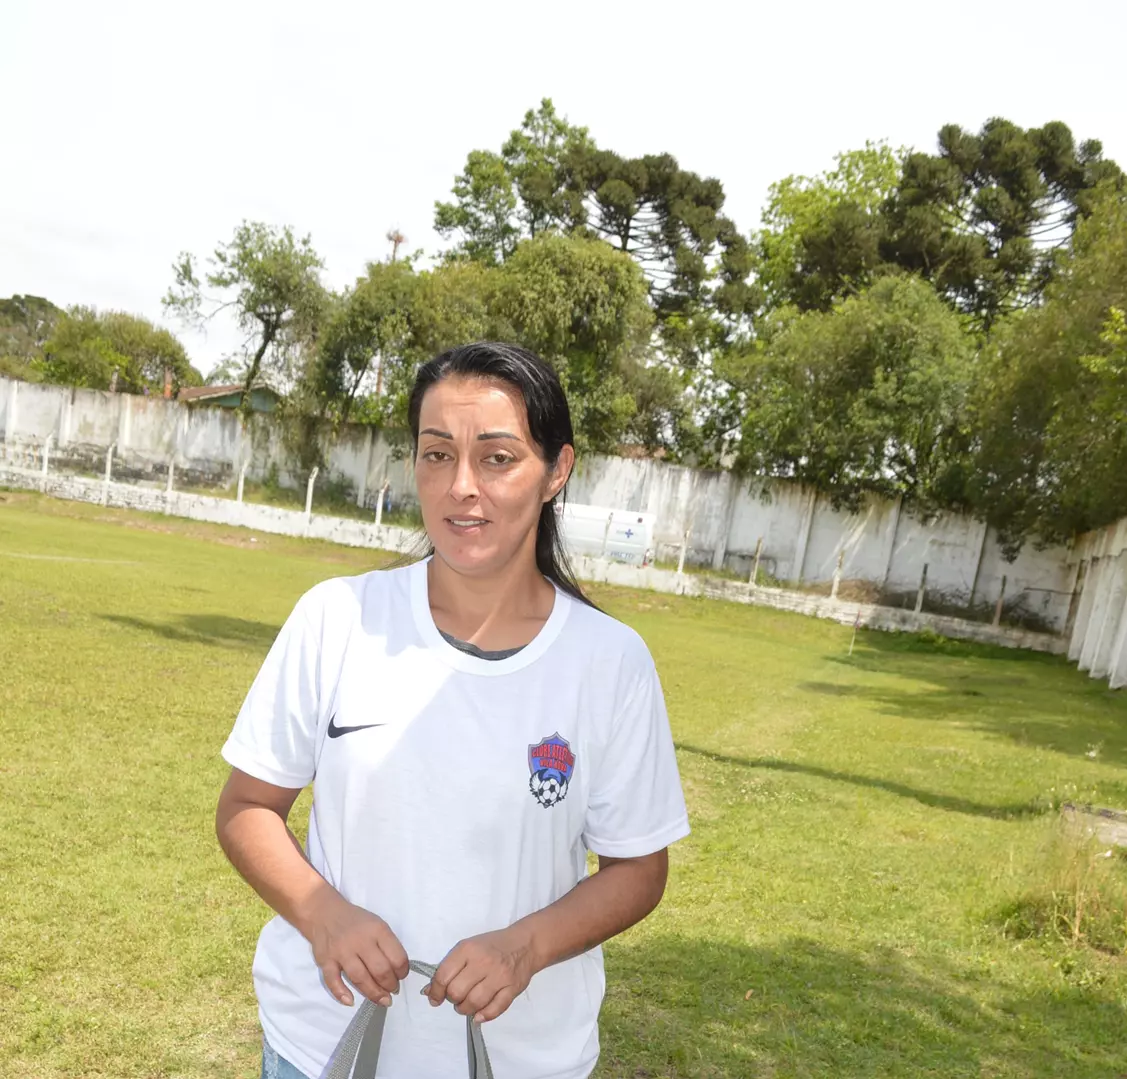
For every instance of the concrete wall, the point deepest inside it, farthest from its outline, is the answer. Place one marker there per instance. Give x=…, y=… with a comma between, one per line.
x=1097, y=637
x=390, y=538
x=883, y=549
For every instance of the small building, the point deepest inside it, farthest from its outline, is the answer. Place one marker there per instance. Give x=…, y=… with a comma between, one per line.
x=263, y=398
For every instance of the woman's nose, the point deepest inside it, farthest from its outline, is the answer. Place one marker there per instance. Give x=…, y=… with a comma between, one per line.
x=464, y=485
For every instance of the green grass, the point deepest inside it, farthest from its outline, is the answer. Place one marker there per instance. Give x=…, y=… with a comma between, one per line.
x=862, y=825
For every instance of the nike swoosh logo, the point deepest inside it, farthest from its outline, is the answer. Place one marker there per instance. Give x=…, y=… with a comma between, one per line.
x=336, y=732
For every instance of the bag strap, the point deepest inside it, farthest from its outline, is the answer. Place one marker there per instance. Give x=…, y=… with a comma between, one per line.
x=358, y=1052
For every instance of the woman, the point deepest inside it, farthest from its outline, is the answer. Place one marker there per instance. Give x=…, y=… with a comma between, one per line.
x=471, y=725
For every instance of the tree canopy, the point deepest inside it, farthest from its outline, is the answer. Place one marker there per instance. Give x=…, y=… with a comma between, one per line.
x=1050, y=402
x=271, y=283
x=945, y=324
x=114, y=350
x=26, y=322
x=864, y=398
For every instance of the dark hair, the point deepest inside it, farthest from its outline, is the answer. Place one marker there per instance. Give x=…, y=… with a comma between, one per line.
x=549, y=423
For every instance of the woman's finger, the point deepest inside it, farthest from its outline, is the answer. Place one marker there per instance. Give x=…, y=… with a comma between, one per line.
x=330, y=972
x=469, y=989
x=378, y=966
x=396, y=955
x=448, y=970
x=358, y=975
x=492, y=1009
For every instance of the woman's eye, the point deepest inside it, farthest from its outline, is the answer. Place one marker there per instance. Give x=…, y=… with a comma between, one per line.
x=435, y=455
x=499, y=459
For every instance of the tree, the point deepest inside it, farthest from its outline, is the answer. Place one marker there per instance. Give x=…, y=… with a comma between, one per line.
x=983, y=217
x=538, y=156
x=820, y=236
x=865, y=398
x=88, y=348
x=1050, y=397
x=270, y=281
x=500, y=199
x=26, y=322
x=550, y=176
x=669, y=220
x=575, y=301
x=582, y=307
x=483, y=210
x=364, y=335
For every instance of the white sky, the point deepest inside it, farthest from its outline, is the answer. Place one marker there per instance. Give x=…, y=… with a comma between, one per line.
x=132, y=132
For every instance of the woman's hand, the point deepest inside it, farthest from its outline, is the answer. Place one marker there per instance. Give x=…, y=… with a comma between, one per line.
x=483, y=975
x=350, y=939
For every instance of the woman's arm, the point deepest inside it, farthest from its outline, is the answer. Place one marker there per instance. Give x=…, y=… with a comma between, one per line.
x=250, y=822
x=483, y=975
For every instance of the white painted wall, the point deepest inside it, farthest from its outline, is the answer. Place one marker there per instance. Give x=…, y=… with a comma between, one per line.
x=1098, y=635
x=364, y=534
x=883, y=546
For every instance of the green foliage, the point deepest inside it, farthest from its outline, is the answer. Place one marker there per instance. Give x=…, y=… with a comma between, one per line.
x=271, y=283
x=500, y=199
x=1050, y=398
x=88, y=348
x=365, y=332
x=539, y=156
x=865, y=398
x=948, y=327
x=550, y=176
x=483, y=211
x=582, y=307
x=820, y=235
x=1078, y=894
x=981, y=218
x=26, y=322
x=575, y=301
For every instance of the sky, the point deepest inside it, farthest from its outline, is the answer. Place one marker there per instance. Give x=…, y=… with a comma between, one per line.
x=133, y=132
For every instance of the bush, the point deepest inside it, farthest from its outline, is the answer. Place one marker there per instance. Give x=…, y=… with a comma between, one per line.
x=1079, y=894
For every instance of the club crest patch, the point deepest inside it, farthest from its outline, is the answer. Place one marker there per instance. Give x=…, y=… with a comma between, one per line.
x=551, y=764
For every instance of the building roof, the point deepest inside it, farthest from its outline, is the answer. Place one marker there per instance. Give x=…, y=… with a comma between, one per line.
x=206, y=393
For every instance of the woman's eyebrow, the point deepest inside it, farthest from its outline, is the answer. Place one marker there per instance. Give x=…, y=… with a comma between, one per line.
x=437, y=433
x=486, y=435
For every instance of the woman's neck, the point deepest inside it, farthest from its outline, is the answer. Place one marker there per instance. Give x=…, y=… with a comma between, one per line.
x=498, y=611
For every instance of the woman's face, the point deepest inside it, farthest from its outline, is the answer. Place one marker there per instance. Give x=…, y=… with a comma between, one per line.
x=481, y=479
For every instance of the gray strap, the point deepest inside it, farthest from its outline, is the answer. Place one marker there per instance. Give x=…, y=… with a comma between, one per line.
x=358, y=1052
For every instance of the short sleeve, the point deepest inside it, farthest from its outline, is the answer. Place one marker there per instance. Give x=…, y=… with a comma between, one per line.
x=274, y=737
x=636, y=805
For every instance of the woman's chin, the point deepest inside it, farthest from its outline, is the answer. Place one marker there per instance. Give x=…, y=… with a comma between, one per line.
x=465, y=557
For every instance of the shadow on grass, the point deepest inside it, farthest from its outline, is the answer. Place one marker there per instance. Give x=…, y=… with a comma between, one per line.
x=204, y=629
x=1025, y=697
x=928, y=798
x=681, y=1007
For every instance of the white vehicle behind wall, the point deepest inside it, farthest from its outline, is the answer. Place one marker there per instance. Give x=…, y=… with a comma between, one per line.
x=603, y=532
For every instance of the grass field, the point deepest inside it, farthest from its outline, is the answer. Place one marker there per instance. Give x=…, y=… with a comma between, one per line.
x=860, y=825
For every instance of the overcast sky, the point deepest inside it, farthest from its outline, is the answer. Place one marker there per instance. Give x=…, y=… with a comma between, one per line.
x=132, y=132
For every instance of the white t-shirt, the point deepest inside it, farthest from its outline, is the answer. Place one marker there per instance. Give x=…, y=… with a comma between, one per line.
x=453, y=795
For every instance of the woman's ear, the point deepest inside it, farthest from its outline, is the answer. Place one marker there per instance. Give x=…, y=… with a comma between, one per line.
x=560, y=473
